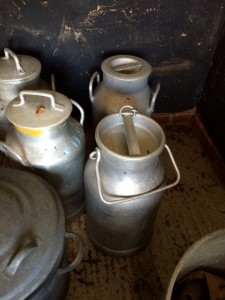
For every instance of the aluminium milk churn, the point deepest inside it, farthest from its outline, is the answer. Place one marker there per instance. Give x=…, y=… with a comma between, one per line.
x=125, y=82
x=17, y=72
x=49, y=141
x=124, y=182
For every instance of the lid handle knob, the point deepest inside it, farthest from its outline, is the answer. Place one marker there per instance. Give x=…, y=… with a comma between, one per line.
x=39, y=94
x=28, y=246
x=19, y=69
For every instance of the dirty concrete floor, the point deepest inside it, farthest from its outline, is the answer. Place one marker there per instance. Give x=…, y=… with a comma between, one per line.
x=187, y=212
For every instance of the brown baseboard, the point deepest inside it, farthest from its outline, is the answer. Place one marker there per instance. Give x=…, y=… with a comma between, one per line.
x=192, y=118
x=180, y=118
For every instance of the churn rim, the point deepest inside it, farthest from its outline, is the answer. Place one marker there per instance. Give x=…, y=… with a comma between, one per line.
x=145, y=70
x=153, y=154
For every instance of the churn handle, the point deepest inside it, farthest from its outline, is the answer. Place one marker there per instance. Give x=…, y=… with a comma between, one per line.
x=53, y=82
x=4, y=148
x=96, y=155
x=80, y=109
x=91, y=95
x=151, y=108
x=79, y=256
x=40, y=94
x=19, y=69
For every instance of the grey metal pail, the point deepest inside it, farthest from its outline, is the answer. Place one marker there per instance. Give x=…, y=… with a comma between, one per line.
x=208, y=252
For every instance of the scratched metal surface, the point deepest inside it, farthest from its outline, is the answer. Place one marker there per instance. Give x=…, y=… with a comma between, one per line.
x=187, y=212
x=71, y=38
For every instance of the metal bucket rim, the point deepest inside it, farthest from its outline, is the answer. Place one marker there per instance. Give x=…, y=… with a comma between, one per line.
x=186, y=256
x=151, y=155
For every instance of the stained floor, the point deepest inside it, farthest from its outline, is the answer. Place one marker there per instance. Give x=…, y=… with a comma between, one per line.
x=195, y=207
x=187, y=212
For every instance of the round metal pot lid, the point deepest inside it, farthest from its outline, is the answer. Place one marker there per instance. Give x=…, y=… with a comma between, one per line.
x=126, y=67
x=130, y=134
x=31, y=232
x=18, y=68
x=38, y=109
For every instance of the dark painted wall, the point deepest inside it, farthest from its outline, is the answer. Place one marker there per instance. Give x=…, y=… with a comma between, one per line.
x=212, y=104
x=71, y=38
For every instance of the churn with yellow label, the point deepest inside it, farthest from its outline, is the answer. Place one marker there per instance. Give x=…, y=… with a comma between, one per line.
x=47, y=139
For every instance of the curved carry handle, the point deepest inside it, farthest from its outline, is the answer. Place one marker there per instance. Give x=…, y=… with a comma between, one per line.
x=4, y=148
x=78, y=257
x=28, y=246
x=97, y=76
x=96, y=155
x=80, y=109
x=41, y=94
x=19, y=69
x=151, y=108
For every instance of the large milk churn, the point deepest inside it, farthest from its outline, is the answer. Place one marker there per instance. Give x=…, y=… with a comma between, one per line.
x=125, y=82
x=124, y=182
x=46, y=139
x=17, y=72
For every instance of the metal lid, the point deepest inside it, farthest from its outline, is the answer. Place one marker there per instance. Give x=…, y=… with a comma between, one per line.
x=38, y=109
x=31, y=232
x=18, y=68
x=126, y=67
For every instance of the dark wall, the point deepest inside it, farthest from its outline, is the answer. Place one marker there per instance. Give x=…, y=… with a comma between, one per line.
x=212, y=104
x=71, y=38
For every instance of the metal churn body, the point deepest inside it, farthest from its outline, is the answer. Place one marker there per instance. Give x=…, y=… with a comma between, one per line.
x=125, y=82
x=46, y=138
x=124, y=182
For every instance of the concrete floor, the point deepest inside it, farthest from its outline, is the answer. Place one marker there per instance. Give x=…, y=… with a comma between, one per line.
x=195, y=207
x=187, y=212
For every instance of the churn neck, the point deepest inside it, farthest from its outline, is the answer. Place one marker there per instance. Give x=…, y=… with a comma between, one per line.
x=125, y=71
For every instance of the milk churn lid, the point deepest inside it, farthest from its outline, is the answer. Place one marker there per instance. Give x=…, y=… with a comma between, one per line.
x=32, y=232
x=130, y=134
x=16, y=69
x=38, y=109
x=126, y=67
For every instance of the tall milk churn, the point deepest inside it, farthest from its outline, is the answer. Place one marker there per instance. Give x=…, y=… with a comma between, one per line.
x=125, y=82
x=124, y=182
x=49, y=141
x=17, y=72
